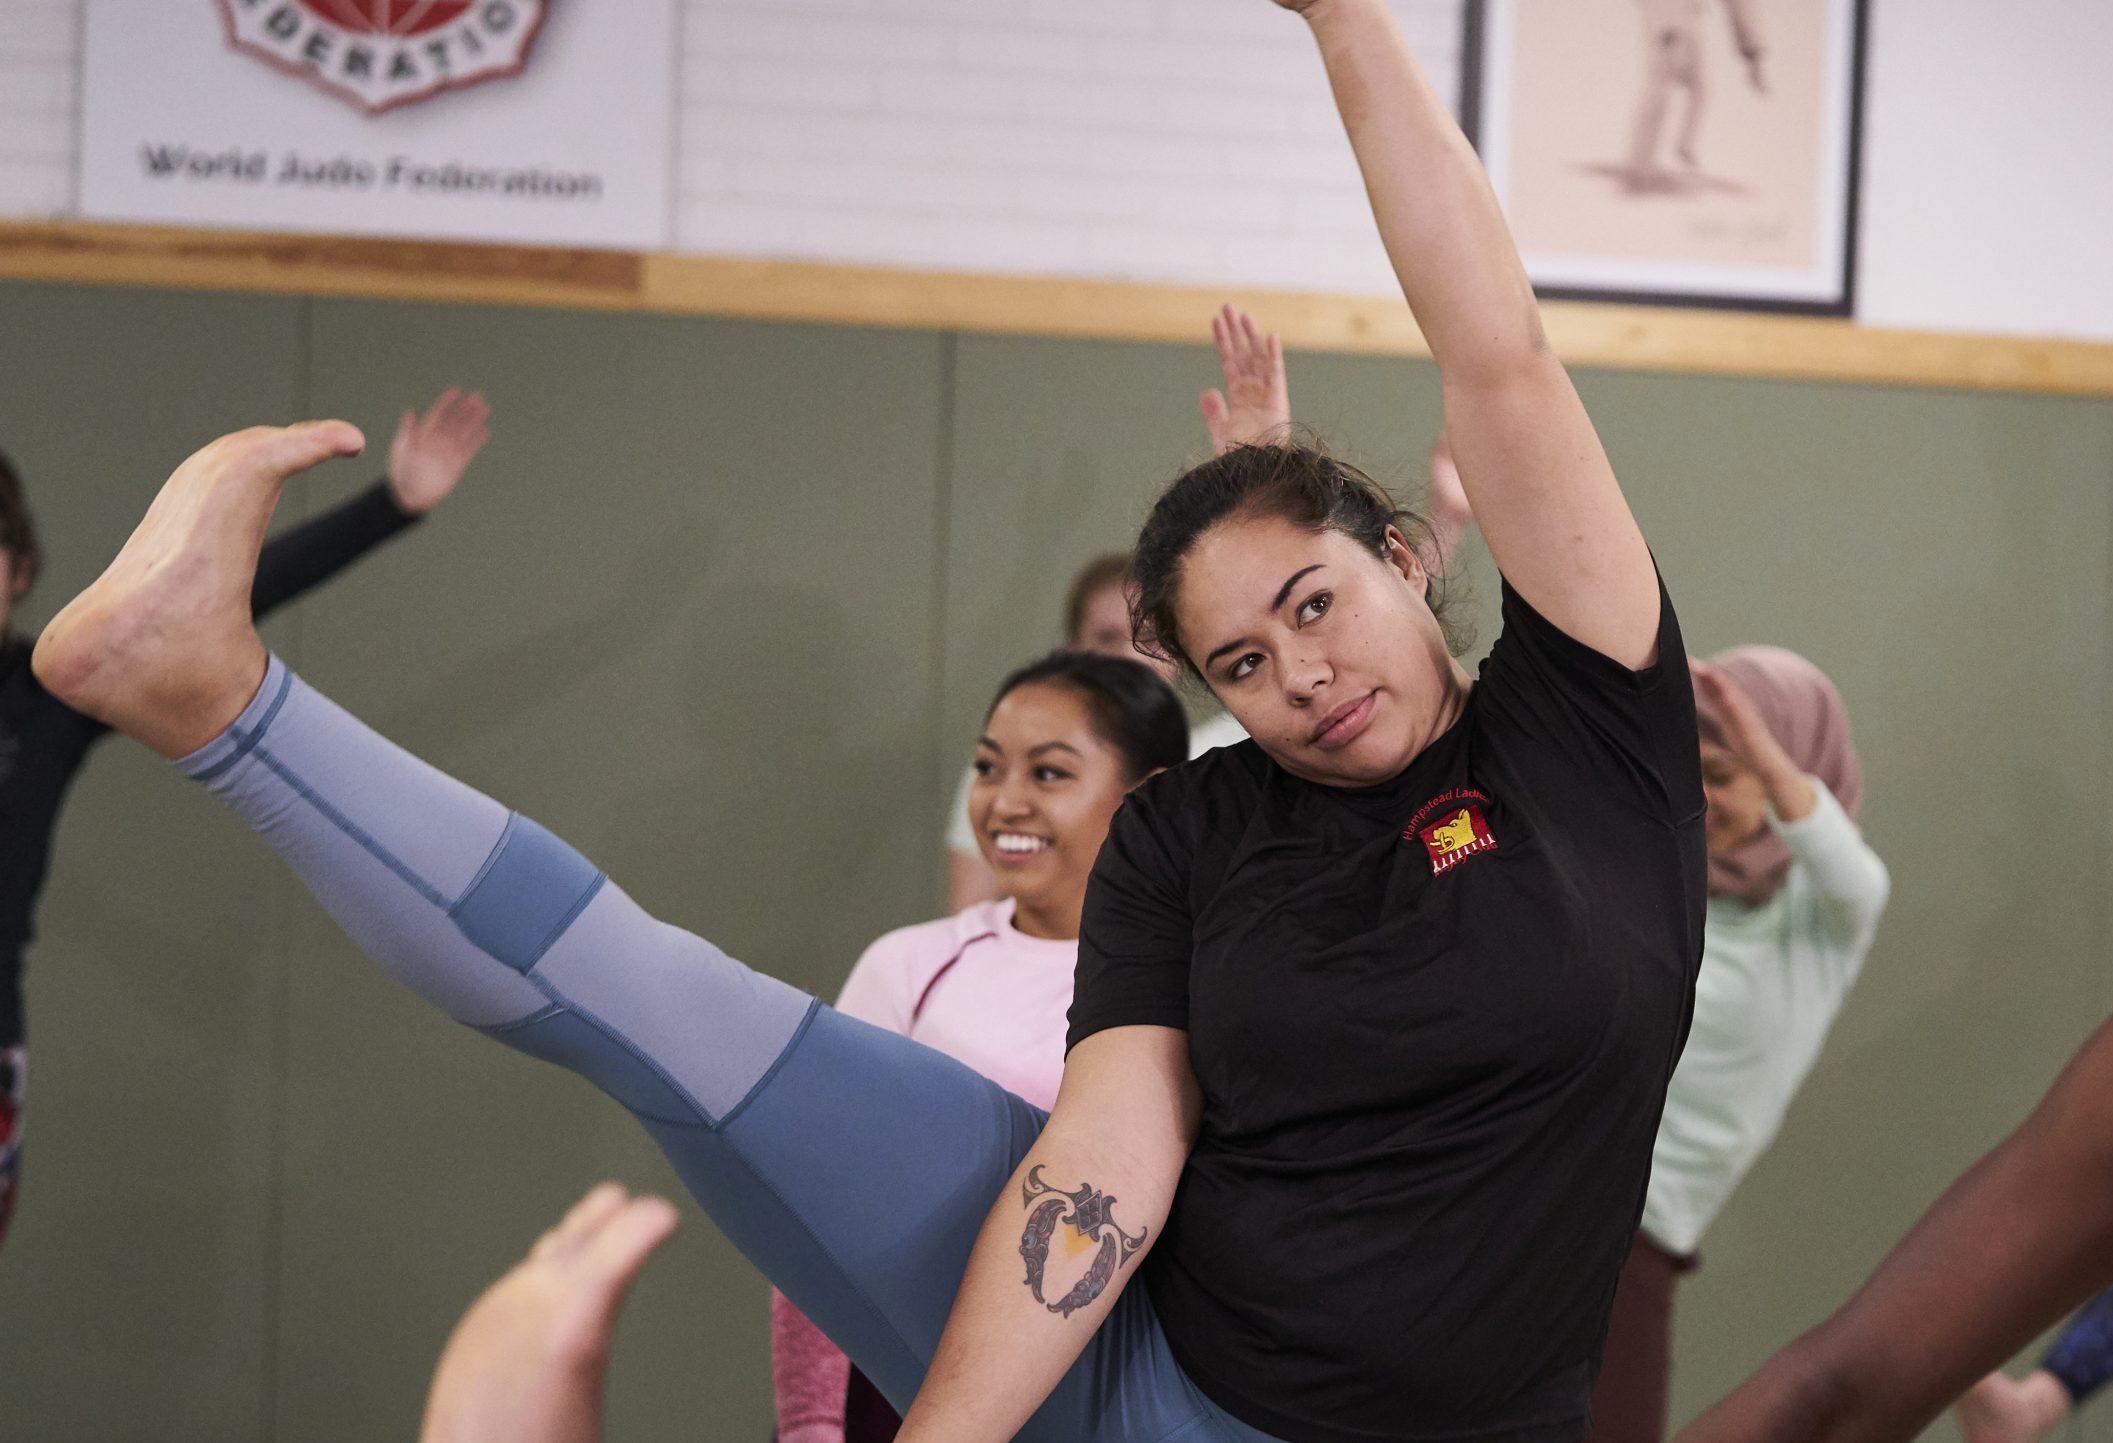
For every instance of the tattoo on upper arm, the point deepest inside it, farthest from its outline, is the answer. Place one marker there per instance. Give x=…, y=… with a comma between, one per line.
x=1090, y=1218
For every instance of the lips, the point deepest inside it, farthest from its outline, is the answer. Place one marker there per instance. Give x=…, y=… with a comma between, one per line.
x=1343, y=725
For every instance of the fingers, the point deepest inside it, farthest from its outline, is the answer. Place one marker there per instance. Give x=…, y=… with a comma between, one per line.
x=442, y=404
x=1245, y=350
x=1215, y=410
x=1237, y=341
x=466, y=415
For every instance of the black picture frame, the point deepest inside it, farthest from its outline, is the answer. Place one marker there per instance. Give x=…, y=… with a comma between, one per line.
x=1476, y=100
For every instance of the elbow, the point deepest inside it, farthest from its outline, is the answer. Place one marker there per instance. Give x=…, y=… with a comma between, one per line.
x=1877, y=893
x=1502, y=358
x=1856, y=901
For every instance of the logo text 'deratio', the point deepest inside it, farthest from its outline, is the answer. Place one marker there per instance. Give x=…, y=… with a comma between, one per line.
x=381, y=54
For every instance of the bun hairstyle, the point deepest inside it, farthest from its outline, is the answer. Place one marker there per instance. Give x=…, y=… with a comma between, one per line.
x=1133, y=711
x=1301, y=485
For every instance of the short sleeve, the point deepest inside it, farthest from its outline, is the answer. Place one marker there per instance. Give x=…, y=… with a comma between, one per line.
x=1135, y=932
x=1639, y=724
x=960, y=835
x=882, y=988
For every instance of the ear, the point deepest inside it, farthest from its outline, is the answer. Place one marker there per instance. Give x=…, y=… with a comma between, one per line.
x=1397, y=553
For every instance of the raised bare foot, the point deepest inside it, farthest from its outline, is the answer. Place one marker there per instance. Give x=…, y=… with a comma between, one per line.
x=1998, y=1410
x=162, y=646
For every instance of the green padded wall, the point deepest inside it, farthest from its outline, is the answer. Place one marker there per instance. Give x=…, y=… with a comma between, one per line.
x=723, y=604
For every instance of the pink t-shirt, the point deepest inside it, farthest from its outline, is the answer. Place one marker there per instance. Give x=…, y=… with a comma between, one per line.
x=974, y=988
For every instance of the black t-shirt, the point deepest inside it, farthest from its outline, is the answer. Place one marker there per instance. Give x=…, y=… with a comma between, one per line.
x=43, y=741
x=1433, y=1021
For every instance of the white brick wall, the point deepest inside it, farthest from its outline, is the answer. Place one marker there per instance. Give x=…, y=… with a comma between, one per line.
x=39, y=63
x=1105, y=137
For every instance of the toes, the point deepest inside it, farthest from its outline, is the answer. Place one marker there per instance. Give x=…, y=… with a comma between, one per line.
x=288, y=449
x=278, y=451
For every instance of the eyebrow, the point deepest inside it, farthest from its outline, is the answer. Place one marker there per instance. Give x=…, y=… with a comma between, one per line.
x=1034, y=750
x=1283, y=594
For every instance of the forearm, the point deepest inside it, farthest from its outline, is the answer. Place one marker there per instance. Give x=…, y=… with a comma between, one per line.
x=1035, y=1289
x=2020, y=1239
x=1448, y=528
x=1440, y=221
x=1065, y=1236
x=313, y=552
x=1849, y=877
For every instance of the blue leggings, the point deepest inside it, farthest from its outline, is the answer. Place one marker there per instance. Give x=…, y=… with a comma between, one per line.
x=852, y=1166
x=2082, y=1357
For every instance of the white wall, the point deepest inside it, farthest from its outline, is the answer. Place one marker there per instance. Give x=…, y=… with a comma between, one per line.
x=1114, y=137
x=1989, y=166
x=39, y=60
x=1100, y=137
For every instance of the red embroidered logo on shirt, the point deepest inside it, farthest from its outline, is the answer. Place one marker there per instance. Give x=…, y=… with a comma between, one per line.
x=1452, y=827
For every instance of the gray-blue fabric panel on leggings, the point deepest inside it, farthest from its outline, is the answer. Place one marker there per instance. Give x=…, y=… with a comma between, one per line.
x=378, y=836
x=711, y=1026
x=577, y=1045
x=528, y=893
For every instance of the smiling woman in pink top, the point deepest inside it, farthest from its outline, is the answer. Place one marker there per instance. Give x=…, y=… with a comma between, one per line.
x=1065, y=741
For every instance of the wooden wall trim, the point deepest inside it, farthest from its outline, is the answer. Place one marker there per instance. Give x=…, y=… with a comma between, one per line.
x=1591, y=336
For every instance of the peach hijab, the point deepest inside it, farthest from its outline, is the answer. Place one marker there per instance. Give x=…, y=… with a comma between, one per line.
x=1806, y=716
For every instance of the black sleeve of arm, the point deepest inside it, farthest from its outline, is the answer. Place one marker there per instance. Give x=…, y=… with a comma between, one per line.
x=1135, y=935
x=1639, y=722
x=317, y=550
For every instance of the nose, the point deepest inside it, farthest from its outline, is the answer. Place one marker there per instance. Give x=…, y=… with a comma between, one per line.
x=1303, y=679
x=1013, y=801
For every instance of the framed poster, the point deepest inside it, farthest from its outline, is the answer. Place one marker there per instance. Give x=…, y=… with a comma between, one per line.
x=1685, y=152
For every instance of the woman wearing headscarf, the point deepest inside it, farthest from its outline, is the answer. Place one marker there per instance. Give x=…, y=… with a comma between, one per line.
x=1794, y=900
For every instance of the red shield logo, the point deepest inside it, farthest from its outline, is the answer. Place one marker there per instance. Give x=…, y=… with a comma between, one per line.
x=380, y=54
x=1458, y=832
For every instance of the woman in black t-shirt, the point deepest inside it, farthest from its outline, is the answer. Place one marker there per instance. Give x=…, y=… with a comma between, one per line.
x=1375, y=1013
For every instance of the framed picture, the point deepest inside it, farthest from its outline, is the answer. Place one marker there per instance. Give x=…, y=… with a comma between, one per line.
x=1685, y=152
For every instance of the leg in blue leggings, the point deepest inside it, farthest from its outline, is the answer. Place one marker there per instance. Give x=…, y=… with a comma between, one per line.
x=2082, y=1357
x=852, y=1166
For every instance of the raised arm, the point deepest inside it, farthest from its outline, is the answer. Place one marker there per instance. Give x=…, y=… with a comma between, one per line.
x=1449, y=513
x=426, y=460
x=1542, y=489
x=2023, y=1237
x=1122, y=1128
x=1254, y=409
x=1851, y=881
